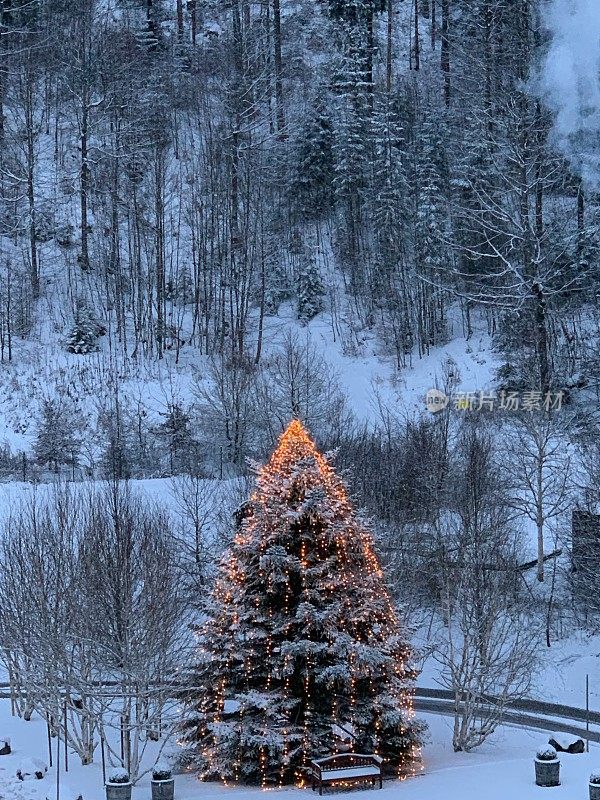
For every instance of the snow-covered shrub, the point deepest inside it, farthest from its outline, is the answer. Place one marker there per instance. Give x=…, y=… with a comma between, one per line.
x=161, y=771
x=546, y=754
x=45, y=223
x=118, y=775
x=83, y=337
x=64, y=234
x=595, y=777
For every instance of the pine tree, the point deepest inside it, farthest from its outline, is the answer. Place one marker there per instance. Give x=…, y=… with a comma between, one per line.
x=310, y=286
x=431, y=232
x=83, y=338
x=430, y=220
x=390, y=201
x=352, y=142
x=389, y=213
x=312, y=186
x=476, y=203
x=117, y=454
x=56, y=442
x=176, y=432
x=300, y=635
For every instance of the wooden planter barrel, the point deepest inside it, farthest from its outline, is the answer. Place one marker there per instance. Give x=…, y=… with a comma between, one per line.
x=594, y=791
x=547, y=773
x=118, y=791
x=163, y=790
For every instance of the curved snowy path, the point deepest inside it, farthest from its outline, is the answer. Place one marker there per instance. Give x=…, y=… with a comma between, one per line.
x=530, y=714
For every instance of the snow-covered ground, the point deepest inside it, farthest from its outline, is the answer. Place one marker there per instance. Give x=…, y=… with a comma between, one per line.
x=501, y=768
x=561, y=672
x=367, y=378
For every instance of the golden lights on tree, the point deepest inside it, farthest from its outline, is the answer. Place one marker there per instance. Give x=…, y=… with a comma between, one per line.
x=301, y=550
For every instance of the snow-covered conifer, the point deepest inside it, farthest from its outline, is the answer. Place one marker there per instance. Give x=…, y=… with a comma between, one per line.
x=300, y=635
x=312, y=186
x=56, y=442
x=83, y=338
x=310, y=286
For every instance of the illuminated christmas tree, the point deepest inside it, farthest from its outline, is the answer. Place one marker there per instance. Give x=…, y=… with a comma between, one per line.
x=301, y=641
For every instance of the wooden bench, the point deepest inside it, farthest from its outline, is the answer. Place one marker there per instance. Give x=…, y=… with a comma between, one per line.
x=345, y=768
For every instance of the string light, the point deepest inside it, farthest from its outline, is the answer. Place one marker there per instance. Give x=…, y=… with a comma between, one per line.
x=348, y=546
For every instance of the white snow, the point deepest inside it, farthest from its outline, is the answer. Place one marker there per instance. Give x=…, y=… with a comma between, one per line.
x=503, y=766
x=369, y=379
x=351, y=772
x=117, y=775
x=31, y=768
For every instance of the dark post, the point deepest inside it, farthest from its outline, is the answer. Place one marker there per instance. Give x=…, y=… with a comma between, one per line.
x=122, y=741
x=49, y=743
x=587, y=712
x=66, y=747
x=103, y=758
x=58, y=766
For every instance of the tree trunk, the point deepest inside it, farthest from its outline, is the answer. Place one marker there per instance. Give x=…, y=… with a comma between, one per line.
x=279, y=110
x=180, y=21
x=159, y=212
x=33, y=253
x=417, y=44
x=370, y=51
x=3, y=32
x=539, y=521
x=580, y=218
x=445, y=51
x=539, y=186
x=192, y=8
x=84, y=186
x=389, y=50
x=488, y=62
x=542, y=337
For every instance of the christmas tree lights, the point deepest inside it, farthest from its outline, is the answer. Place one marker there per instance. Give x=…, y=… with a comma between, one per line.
x=301, y=637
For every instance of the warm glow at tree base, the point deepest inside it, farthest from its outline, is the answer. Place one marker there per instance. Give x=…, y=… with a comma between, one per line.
x=301, y=644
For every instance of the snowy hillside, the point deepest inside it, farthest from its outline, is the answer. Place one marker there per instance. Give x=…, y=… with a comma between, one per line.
x=299, y=383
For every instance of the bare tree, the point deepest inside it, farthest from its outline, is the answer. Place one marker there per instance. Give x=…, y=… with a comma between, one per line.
x=136, y=614
x=296, y=382
x=538, y=463
x=226, y=401
x=93, y=597
x=196, y=500
x=488, y=655
x=487, y=642
x=44, y=646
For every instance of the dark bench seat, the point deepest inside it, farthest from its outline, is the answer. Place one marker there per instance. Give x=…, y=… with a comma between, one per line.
x=345, y=768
